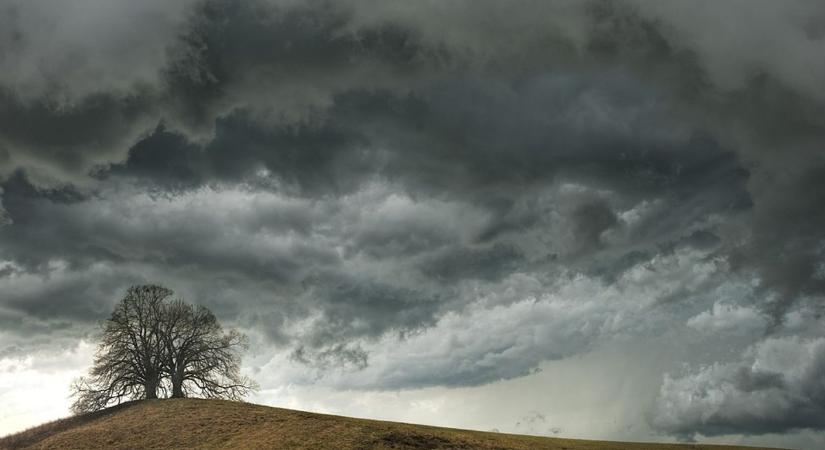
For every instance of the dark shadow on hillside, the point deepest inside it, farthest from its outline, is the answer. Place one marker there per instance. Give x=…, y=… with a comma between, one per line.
x=36, y=434
x=412, y=440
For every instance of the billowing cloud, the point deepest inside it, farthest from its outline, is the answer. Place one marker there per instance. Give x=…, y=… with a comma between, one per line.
x=776, y=387
x=728, y=318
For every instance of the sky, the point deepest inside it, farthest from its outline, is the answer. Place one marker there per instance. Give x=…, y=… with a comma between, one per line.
x=596, y=219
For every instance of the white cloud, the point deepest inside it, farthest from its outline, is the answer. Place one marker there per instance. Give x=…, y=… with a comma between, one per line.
x=34, y=388
x=775, y=387
x=729, y=318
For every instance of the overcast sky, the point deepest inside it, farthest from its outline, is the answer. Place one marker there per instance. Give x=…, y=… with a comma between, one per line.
x=598, y=219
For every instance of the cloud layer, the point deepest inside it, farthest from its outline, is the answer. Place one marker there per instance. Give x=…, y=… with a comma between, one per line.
x=395, y=195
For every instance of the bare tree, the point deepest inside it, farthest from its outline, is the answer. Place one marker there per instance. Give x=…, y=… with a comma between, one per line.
x=152, y=343
x=201, y=359
x=128, y=362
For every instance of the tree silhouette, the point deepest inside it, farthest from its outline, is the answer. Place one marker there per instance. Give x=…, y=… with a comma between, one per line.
x=200, y=358
x=151, y=343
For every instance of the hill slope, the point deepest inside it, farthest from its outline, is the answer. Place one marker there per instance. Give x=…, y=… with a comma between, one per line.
x=191, y=423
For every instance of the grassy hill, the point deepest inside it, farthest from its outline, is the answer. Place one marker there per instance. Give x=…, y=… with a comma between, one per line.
x=191, y=423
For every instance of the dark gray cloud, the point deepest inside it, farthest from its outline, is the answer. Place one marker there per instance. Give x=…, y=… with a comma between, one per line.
x=4, y=215
x=342, y=178
x=486, y=263
x=96, y=128
x=336, y=356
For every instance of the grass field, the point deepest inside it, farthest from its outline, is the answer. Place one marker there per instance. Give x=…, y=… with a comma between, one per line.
x=213, y=424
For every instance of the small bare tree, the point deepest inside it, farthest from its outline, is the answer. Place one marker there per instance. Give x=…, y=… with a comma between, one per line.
x=152, y=343
x=201, y=359
x=128, y=363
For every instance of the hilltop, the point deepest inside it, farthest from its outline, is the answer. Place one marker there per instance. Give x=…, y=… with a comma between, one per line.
x=212, y=424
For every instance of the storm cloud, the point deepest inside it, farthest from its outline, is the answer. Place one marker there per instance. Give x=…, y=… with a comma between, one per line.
x=395, y=195
x=777, y=387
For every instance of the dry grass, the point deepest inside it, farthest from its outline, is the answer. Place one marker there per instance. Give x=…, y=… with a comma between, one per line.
x=213, y=424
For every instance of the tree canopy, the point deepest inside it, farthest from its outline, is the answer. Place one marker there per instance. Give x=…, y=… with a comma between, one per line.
x=153, y=345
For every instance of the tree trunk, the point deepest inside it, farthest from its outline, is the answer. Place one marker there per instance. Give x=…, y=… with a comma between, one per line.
x=177, y=385
x=151, y=388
